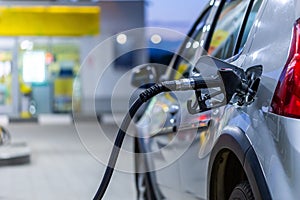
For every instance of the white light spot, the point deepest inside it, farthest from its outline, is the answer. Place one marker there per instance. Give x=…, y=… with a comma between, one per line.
x=156, y=39
x=257, y=23
x=208, y=27
x=202, y=43
x=122, y=38
x=196, y=44
x=188, y=45
x=255, y=55
x=217, y=3
x=26, y=45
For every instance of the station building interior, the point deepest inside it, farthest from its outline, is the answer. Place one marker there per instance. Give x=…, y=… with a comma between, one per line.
x=65, y=70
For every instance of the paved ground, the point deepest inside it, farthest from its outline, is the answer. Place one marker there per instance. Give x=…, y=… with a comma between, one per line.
x=61, y=168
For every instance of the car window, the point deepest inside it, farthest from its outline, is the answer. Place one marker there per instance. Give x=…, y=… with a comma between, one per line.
x=188, y=58
x=249, y=23
x=227, y=29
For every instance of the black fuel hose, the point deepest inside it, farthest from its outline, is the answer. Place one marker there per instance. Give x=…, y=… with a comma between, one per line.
x=116, y=149
x=176, y=85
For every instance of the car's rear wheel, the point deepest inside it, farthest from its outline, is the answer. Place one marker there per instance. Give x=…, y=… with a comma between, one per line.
x=242, y=191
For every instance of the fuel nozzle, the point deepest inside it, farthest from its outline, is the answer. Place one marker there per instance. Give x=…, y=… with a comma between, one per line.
x=232, y=83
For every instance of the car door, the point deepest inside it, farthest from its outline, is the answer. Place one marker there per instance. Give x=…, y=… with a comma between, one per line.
x=229, y=32
x=159, y=123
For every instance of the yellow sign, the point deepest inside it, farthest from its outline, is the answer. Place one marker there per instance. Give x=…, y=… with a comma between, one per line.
x=218, y=38
x=49, y=20
x=181, y=69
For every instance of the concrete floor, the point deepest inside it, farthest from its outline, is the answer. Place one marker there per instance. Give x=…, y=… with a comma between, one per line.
x=61, y=168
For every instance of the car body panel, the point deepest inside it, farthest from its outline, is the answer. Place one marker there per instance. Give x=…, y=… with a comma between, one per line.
x=261, y=133
x=274, y=139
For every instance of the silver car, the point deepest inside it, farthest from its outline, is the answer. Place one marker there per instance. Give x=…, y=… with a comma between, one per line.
x=195, y=146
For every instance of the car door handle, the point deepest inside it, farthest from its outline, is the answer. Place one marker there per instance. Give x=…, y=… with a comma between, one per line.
x=197, y=125
x=186, y=127
x=165, y=131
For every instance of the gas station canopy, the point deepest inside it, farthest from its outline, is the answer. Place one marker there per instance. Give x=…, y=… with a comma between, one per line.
x=49, y=20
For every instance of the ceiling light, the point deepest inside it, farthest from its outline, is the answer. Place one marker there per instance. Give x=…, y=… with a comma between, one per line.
x=26, y=45
x=122, y=38
x=156, y=39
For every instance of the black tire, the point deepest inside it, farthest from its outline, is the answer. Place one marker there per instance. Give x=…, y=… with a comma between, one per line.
x=242, y=191
x=143, y=189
